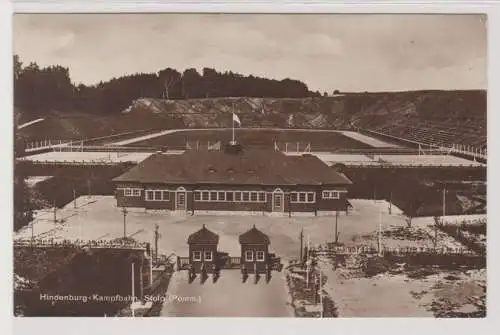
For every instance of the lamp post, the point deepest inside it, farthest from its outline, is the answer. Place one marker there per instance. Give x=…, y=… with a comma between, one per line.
x=125, y=212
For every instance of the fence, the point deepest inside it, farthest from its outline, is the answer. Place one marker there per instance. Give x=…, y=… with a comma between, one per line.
x=182, y=262
x=229, y=263
x=394, y=251
x=95, y=244
x=235, y=261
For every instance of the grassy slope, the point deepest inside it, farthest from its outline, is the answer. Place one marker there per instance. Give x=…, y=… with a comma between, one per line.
x=368, y=109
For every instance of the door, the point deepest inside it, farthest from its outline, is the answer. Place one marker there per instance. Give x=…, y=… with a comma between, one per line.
x=180, y=200
x=278, y=201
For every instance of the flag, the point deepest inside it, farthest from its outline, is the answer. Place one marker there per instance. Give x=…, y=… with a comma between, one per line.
x=236, y=119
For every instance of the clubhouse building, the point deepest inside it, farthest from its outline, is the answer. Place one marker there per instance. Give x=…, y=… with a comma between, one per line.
x=234, y=179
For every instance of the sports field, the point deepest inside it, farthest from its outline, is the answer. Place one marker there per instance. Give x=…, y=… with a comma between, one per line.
x=256, y=137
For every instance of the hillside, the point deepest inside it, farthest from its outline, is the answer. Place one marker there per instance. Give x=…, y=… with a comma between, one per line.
x=366, y=110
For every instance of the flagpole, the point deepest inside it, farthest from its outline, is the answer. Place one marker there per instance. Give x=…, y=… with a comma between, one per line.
x=232, y=118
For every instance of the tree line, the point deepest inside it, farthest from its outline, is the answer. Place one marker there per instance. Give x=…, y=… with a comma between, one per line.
x=39, y=90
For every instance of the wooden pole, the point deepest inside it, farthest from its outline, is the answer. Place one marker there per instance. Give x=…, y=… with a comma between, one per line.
x=390, y=202
x=444, y=201
x=379, y=239
x=55, y=212
x=157, y=236
x=32, y=232
x=307, y=262
x=133, y=290
x=321, y=293
x=141, y=278
x=88, y=187
x=301, y=237
x=74, y=197
x=435, y=235
x=124, y=211
x=151, y=269
x=336, y=227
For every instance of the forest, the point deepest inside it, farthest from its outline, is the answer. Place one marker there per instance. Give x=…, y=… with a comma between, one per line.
x=38, y=91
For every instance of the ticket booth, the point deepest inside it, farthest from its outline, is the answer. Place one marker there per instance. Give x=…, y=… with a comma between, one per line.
x=254, y=250
x=203, y=249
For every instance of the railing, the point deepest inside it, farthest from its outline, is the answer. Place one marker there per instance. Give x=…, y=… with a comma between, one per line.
x=425, y=140
x=230, y=263
x=75, y=163
x=395, y=251
x=235, y=261
x=94, y=244
x=182, y=262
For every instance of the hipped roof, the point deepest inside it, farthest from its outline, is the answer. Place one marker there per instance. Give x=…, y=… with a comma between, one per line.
x=257, y=167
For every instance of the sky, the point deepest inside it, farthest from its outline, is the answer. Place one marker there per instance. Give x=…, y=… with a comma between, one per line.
x=351, y=53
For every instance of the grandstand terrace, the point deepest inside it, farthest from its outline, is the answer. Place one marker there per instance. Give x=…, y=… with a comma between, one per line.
x=438, y=133
x=394, y=160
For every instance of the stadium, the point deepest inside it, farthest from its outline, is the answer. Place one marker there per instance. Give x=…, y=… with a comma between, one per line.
x=374, y=164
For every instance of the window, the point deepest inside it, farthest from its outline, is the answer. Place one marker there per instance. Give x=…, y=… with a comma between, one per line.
x=157, y=195
x=260, y=256
x=132, y=192
x=231, y=196
x=196, y=255
x=166, y=195
x=249, y=256
x=302, y=197
x=208, y=255
x=331, y=195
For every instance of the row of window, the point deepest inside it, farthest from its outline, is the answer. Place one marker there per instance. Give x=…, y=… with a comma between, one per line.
x=302, y=197
x=157, y=195
x=232, y=196
x=331, y=195
x=207, y=256
x=249, y=256
x=132, y=192
x=259, y=256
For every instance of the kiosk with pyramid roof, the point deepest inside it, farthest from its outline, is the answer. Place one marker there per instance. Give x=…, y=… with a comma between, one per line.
x=255, y=250
x=203, y=249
